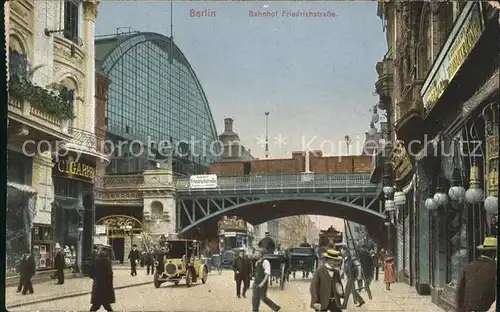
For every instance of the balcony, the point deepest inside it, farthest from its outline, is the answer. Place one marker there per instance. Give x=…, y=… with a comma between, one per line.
x=39, y=112
x=384, y=84
x=88, y=145
x=409, y=125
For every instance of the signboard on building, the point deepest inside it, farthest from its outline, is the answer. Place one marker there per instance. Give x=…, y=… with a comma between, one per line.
x=69, y=167
x=401, y=162
x=462, y=39
x=100, y=229
x=203, y=181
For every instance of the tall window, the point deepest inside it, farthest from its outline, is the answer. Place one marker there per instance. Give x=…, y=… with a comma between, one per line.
x=71, y=20
x=18, y=63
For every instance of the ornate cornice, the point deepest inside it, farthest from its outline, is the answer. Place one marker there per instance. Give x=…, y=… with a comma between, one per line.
x=89, y=10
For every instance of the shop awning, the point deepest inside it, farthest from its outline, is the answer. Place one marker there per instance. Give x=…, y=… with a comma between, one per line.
x=430, y=148
x=22, y=187
x=69, y=203
x=487, y=91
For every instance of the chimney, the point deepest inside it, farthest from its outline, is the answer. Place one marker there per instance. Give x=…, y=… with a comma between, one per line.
x=228, y=125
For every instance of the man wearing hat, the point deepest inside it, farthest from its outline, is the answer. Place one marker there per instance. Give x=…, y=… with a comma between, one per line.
x=477, y=287
x=242, y=268
x=134, y=256
x=262, y=273
x=326, y=286
x=59, y=264
x=27, y=270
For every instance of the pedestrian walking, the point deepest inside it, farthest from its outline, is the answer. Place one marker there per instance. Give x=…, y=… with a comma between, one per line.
x=366, y=260
x=389, y=274
x=262, y=273
x=376, y=263
x=134, y=256
x=242, y=268
x=59, y=264
x=476, y=289
x=103, y=292
x=27, y=269
x=353, y=273
x=326, y=286
x=148, y=261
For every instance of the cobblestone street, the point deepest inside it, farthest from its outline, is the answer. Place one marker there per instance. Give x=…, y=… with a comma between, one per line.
x=218, y=295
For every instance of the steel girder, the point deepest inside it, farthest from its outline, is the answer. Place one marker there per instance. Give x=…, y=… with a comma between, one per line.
x=195, y=208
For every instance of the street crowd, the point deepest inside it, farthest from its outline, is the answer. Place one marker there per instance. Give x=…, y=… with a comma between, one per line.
x=339, y=273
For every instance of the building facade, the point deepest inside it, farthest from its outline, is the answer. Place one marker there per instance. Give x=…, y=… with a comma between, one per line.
x=297, y=164
x=440, y=85
x=158, y=125
x=292, y=231
x=51, y=126
x=232, y=149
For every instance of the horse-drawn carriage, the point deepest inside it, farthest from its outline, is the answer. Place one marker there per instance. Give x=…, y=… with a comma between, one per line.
x=302, y=259
x=277, y=261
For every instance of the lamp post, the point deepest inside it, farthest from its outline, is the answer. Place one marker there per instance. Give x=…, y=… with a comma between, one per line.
x=79, y=248
x=267, y=134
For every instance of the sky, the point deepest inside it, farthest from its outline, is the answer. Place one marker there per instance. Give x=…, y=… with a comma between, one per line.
x=314, y=75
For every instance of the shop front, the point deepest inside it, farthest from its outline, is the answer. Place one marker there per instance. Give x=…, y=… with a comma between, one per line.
x=73, y=209
x=21, y=208
x=403, y=172
x=461, y=117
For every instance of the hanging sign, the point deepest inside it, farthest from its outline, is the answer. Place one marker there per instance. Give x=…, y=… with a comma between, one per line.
x=401, y=162
x=68, y=167
x=461, y=41
x=203, y=181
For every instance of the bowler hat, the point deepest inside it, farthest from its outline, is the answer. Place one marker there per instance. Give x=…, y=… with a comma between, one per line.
x=333, y=254
x=490, y=243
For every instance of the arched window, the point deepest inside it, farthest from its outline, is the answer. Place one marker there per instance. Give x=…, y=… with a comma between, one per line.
x=18, y=61
x=425, y=47
x=445, y=21
x=69, y=92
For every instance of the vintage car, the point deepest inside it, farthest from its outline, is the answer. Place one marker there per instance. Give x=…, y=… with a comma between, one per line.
x=182, y=260
x=302, y=259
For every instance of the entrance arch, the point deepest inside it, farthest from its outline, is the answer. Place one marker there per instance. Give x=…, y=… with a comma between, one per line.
x=121, y=226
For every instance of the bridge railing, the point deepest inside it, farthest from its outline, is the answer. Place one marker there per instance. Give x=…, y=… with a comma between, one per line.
x=288, y=181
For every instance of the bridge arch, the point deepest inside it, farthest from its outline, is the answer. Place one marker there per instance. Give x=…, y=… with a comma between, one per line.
x=262, y=210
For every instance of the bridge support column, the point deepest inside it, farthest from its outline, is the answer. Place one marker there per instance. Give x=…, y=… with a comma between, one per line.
x=159, y=204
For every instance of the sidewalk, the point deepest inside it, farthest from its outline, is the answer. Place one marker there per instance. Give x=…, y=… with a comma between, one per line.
x=401, y=297
x=48, y=291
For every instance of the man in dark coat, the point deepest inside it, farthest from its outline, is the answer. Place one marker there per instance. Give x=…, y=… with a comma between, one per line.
x=103, y=292
x=27, y=270
x=134, y=257
x=149, y=258
x=159, y=256
x=242, y=268
x=326, y=286
x=366, y=260
x=477, y=287
x=59, y=264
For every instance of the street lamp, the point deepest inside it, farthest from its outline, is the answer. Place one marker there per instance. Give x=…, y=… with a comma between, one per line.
x=457, y=191
x=474, y=194
x=441, y=198
x=267, y=134
x=79, y=247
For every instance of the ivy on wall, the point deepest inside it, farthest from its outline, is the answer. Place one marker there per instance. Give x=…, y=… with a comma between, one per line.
x=58, y=103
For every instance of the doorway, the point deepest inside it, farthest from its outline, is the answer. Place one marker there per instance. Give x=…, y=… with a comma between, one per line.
x=118, y=245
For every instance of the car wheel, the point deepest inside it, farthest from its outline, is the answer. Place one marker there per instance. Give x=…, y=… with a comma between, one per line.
x=188, y=278
x=205, y=275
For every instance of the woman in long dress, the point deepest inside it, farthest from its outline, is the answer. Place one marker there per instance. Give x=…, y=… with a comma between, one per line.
x=389, y=275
